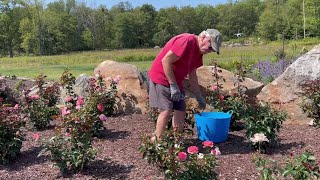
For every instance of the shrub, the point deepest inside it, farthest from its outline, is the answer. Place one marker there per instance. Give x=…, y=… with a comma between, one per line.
x=236, y=101
x=101, y=101
x=311, y=101
x=296, y=167
x=71, y=146
x=40, y=109
x=11, y=132
x=178, y=162
x=265, y=120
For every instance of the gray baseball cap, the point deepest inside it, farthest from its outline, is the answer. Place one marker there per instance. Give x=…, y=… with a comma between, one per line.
x=216, y=39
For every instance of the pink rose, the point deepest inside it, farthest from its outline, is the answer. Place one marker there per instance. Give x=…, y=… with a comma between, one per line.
x=213, y=88
x=69, y=98
x=221, y=97
x=16, y=107
x=1, y=99
x=65, y=111
x=36, y=136
x=216, y=151
x=100, y=107
x=103, y=117
x=78, y=107
x=80, y=100
x=182, y=156
x=117, y=79
x=193, y=150
x=35, y=96
x=208, y=144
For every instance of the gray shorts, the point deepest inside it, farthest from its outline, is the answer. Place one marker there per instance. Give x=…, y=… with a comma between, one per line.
x=159, y=97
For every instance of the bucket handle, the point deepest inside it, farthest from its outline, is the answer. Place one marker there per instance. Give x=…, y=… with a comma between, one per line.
x=195, y=111
x=230, y=112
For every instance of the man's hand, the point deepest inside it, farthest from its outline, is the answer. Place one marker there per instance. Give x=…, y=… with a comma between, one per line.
x=176, y=94
x=201, y=101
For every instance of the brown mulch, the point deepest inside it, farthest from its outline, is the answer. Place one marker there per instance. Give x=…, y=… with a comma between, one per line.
x=118, y=156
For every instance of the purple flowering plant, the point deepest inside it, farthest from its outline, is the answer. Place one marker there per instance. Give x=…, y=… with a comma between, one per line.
x=266, y=71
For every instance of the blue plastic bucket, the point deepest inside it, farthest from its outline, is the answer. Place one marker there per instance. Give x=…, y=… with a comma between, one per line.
x=213, y=126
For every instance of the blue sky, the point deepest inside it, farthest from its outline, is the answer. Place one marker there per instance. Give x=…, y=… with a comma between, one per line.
x=156, y=3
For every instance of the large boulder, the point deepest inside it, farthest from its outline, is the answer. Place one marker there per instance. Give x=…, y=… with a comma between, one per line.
x=133, y=86
x=285, y=92
x=206, y=80
x=131, y=90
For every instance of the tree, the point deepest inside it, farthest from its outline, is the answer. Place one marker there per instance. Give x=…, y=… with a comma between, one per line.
x=167, y=25
x=189, y=21
x=271, y=22
x=146, y=23
x=11, y=12
x=239, y=17
x=207, y=16
x=126, y=34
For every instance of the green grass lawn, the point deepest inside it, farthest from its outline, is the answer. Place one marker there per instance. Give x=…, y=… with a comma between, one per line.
x=85, y=62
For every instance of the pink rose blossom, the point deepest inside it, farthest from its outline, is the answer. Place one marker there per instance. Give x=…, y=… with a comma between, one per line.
x=182, y=156
x=221, y=97
x=16, y=107
x=193, y=150
x=117, y=79
x=80, y=100
x=69, y=98
x=36, y=136
x=65, y=111
x=216, y=151
x=78, y=107
x=208, y=144
x=1, y=99
x=68, y=134
x=100, y=107
x=35, y=96
x=214, y=87
x=103, y=117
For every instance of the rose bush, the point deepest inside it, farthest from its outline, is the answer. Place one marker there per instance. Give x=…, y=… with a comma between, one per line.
x=311, y=101
x=178, y=162
x=101, y=101
x=80, y=119
x=263, y=119
x=71, y=146
x=41, y=108
x=296, y=167
x=235, y=101
x=11, y=132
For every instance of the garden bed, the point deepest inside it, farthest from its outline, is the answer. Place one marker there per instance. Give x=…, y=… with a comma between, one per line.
x=118, y=156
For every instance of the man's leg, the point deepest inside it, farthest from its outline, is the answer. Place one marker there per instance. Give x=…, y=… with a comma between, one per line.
x=178, y=120
x=162, y=123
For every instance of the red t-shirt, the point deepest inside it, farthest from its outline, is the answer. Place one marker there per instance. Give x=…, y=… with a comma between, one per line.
x=184, y=46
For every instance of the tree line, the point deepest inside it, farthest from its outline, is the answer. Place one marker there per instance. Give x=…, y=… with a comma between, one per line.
x=32, y=27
